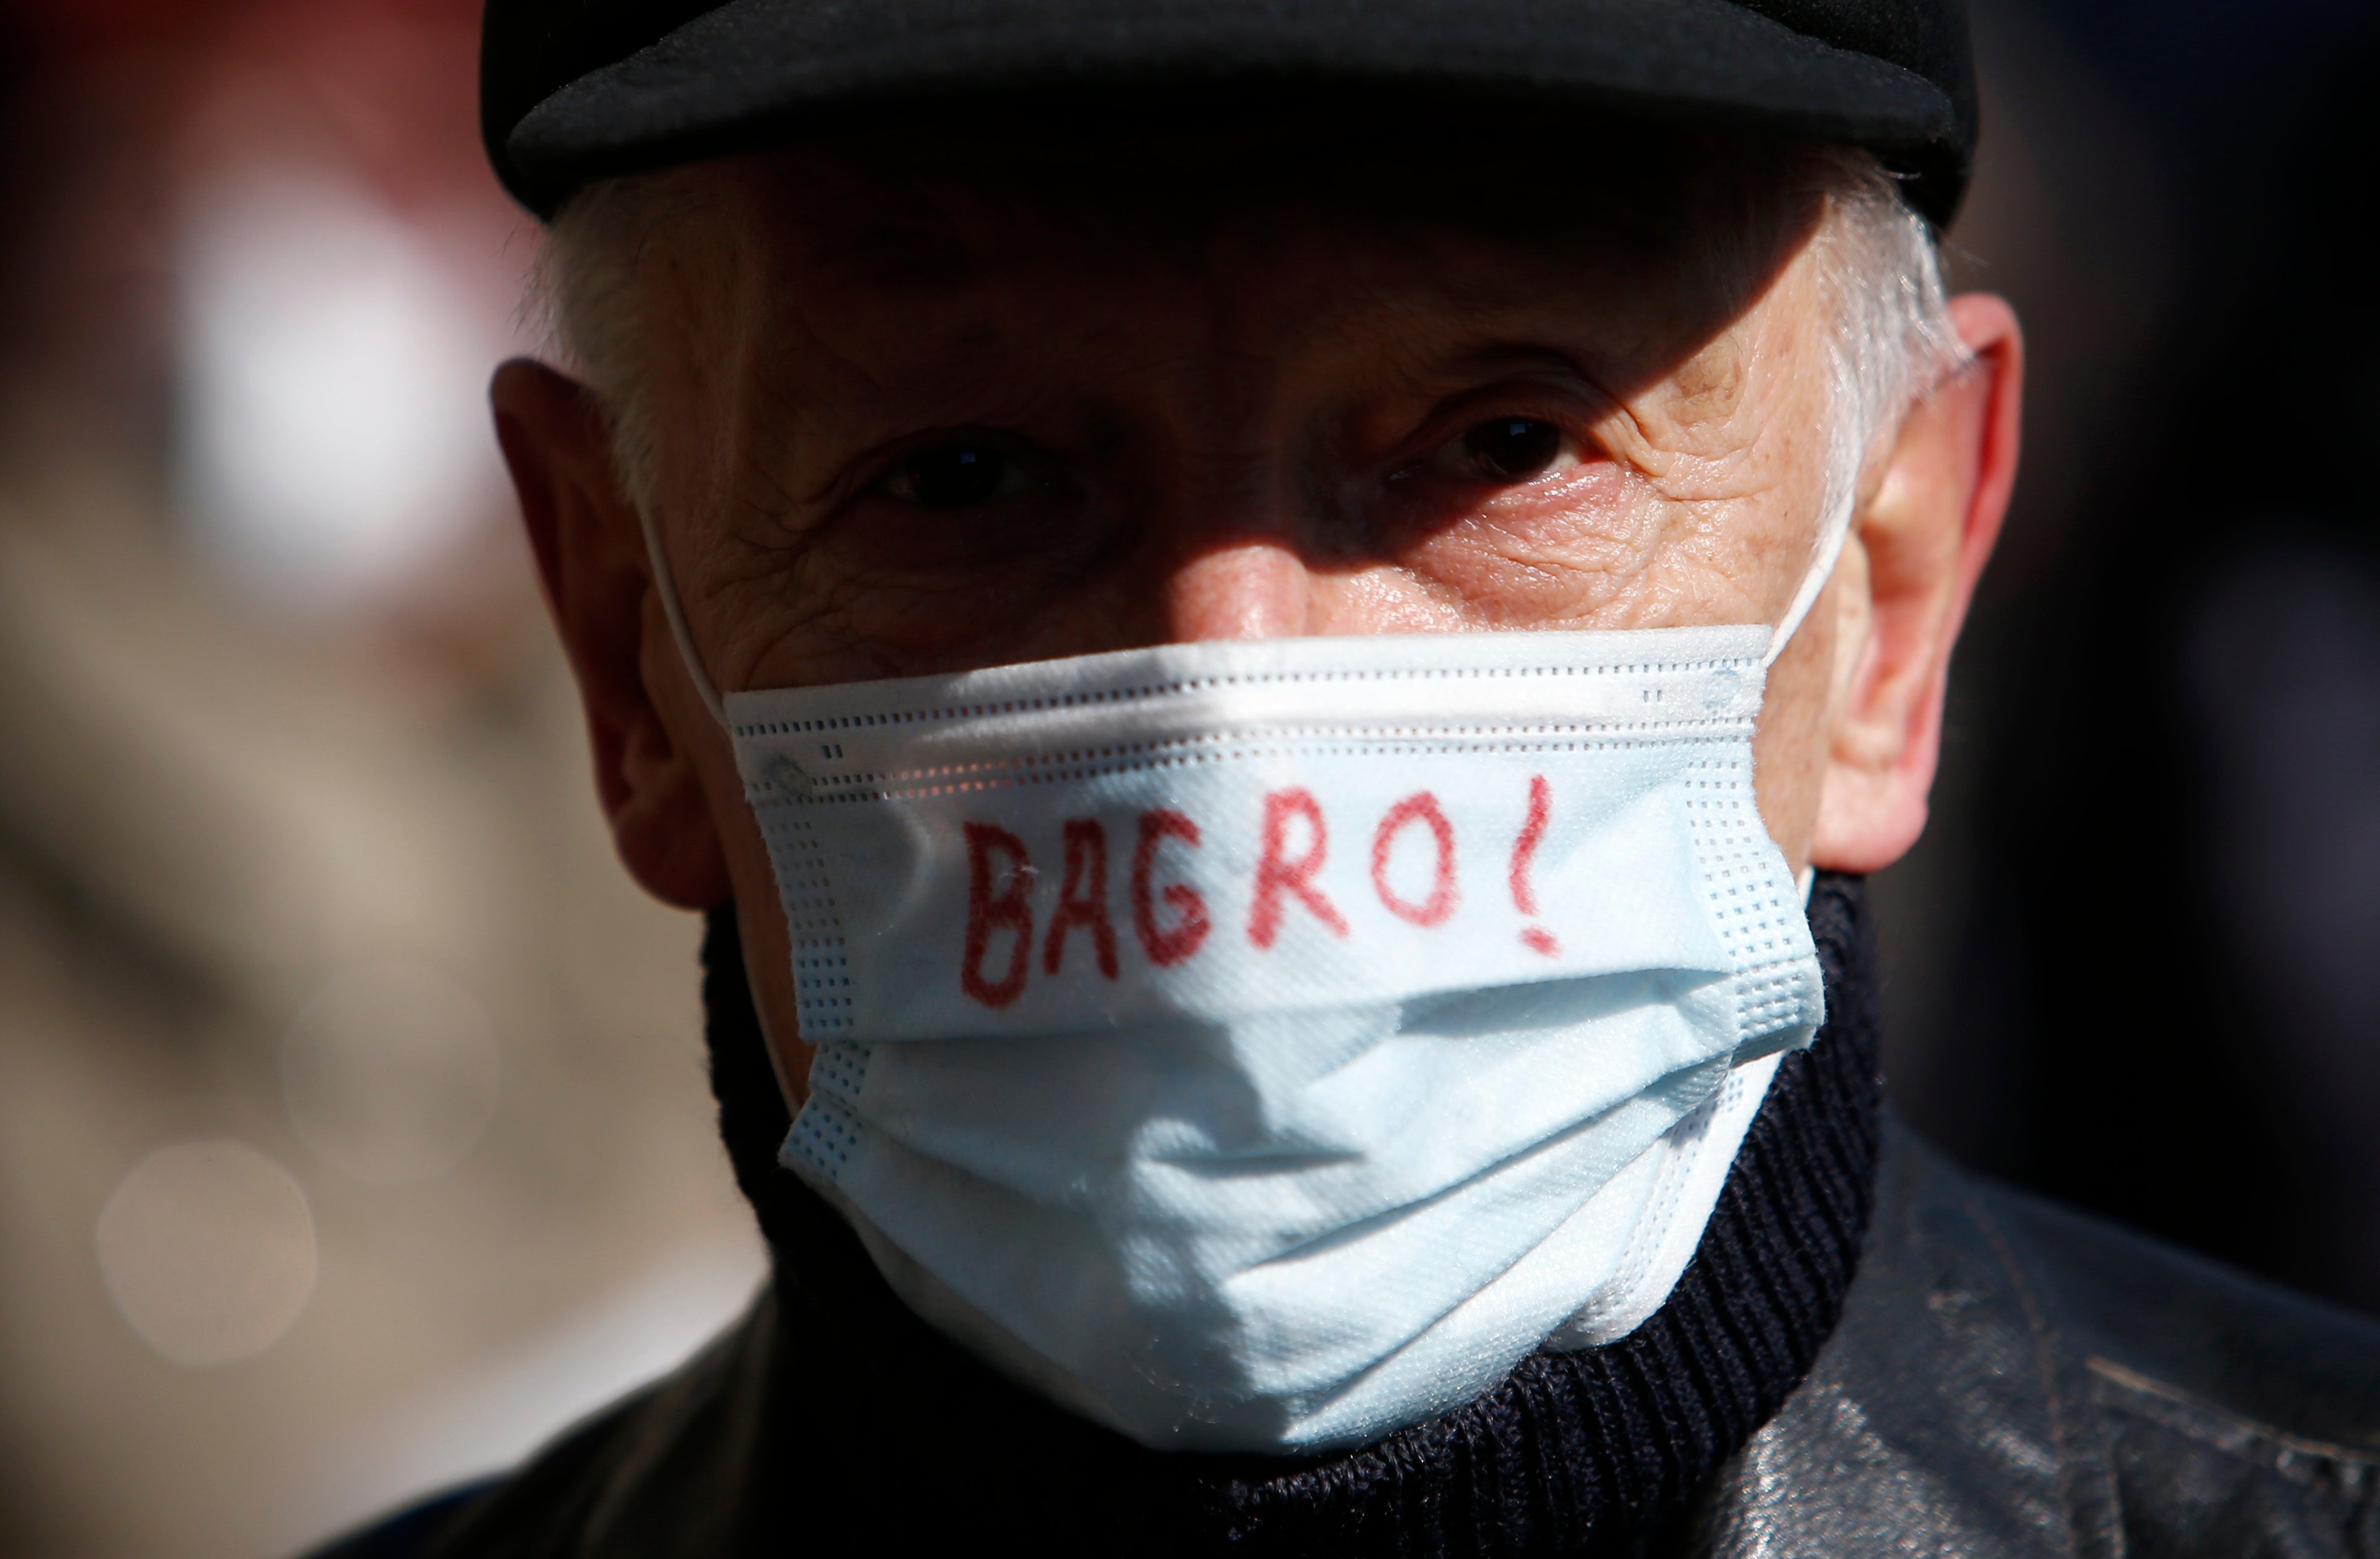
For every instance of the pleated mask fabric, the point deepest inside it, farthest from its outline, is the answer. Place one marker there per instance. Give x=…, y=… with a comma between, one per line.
x=1263, y=1045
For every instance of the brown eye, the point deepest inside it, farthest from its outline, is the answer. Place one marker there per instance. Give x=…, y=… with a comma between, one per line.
x=1513, y=449
x=956, y=475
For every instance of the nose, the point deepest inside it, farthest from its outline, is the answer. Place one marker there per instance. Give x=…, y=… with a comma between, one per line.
x=1255, y=588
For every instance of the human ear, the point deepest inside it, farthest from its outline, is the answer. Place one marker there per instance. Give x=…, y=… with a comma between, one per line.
x=590, y=559
x=1924, y=539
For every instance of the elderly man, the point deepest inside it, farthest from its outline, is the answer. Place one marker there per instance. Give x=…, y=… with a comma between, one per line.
x=1275, y=639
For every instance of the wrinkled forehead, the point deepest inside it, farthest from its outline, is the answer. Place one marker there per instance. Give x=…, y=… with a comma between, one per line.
x=1622, y=214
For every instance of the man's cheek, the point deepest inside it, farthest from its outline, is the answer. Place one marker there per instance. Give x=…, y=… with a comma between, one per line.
x=906, y=612
x=1563, y=560
x=835, y=623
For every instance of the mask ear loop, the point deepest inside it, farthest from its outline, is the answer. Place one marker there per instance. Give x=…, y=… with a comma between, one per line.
x=1838, y=529
x=665, y=584
x=1822, y=568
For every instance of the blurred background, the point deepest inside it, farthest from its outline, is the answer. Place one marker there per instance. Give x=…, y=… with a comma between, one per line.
x=352, y=1127
x=353, y=1134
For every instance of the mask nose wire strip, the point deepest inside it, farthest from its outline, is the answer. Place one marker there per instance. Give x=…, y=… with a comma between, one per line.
x=666, y=585
x=1822, y=568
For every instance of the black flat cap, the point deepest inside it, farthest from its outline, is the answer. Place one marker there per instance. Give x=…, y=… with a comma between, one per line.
x=573, y=90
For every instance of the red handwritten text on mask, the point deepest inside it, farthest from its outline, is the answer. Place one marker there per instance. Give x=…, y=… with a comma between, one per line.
x=1165, y=944
x=1083, y=900
x=997, y=900
x=1279, y=873
x=1419, y=807
x=1171, y=919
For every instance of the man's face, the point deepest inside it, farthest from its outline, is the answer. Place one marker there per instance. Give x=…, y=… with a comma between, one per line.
x=951, y=410
x=919, y=405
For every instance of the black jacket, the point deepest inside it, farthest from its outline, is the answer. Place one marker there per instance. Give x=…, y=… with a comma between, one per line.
x=2007, y=1378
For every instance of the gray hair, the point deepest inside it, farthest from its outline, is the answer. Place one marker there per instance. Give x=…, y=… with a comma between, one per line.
x=1891, y=341
x=587, y=287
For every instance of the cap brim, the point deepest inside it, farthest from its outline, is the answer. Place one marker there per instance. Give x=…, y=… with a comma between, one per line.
x=754, y=73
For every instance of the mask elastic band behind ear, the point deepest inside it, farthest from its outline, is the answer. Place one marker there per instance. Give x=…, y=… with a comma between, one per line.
x=1822, y=568
x=666, y=583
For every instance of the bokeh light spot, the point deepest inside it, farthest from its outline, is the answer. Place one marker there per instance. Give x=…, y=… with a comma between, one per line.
x=208, y=1250
x=333, y=395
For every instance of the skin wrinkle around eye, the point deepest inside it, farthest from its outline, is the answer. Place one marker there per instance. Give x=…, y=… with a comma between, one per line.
x=1590, y=553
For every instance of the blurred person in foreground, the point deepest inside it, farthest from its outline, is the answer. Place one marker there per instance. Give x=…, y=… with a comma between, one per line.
x=1276, y=641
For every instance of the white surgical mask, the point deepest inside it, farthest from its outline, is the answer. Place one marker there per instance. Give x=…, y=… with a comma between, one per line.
x=1264, y=1046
